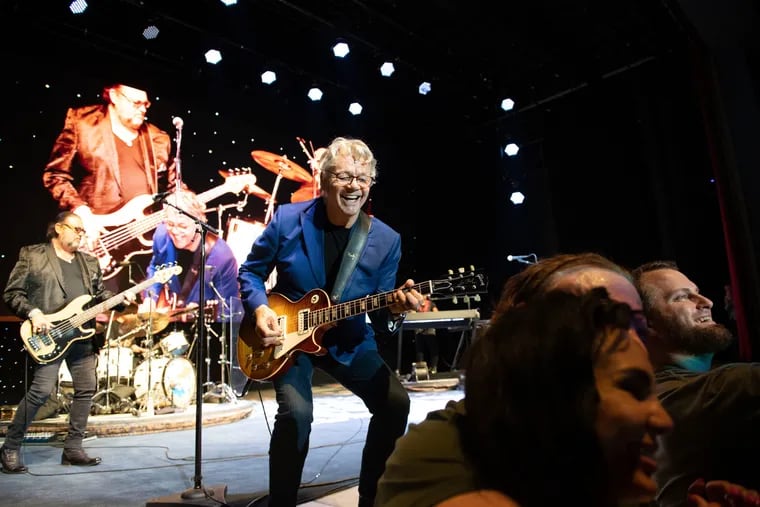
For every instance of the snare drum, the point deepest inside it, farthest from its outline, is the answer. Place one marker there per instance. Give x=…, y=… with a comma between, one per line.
x=174, y=344
x=115, y=362
x=173, y=381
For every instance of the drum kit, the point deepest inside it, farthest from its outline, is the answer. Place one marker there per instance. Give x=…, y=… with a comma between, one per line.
x=241, y=233
x=163, y=379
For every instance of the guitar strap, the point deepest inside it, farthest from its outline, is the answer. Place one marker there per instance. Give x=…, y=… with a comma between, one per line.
x=356, y=242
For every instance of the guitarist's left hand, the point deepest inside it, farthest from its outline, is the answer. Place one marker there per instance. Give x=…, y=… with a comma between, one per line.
x=407, y=299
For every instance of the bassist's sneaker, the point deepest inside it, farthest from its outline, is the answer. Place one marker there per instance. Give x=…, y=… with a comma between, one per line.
x=11, y=461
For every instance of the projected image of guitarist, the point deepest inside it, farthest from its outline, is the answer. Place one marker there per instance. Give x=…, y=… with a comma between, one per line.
x=326, y=250
x=47, y=277
x=106, y=155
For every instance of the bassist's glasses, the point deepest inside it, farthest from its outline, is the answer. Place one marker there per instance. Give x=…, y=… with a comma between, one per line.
x=78, y=230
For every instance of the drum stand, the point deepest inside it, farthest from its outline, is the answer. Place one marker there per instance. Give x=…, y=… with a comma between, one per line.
x=222, y=390
x=122, y=404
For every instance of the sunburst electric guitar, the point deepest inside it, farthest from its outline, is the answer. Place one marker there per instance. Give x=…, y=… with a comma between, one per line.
x=69, y=321
x=127, y=227
x=305, y=321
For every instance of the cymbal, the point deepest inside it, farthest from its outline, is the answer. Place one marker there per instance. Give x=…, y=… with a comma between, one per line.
x=138, y=323
x=281, y=165
x=306, y=192
x=252, y=188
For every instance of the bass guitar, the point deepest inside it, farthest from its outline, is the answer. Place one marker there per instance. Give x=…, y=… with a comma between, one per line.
x=305, y=321
x=126, y=227
x=68, y=323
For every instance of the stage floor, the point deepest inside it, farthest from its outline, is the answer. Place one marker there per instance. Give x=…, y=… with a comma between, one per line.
x=149, y=460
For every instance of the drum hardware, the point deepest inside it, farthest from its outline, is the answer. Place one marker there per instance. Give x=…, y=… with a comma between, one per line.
x=283, y=168
x=219, y=391
x=109, y=394
x=311, y=189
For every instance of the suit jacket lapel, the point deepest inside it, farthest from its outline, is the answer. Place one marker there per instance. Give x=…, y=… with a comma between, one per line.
x=312, y=222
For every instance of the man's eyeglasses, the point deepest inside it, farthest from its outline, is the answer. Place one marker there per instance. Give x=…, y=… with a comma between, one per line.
x=137, y=104
x=346, y=179
x=78, y=230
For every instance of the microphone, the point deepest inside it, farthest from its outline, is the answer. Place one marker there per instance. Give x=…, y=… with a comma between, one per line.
x=525, y=259
x=161, y=195
x=178, y=122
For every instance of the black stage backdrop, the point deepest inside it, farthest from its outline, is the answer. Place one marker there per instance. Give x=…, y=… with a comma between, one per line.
x=619, y=166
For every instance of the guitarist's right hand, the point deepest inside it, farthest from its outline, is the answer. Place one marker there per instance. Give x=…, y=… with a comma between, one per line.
x=268, y=327
x=40, y=322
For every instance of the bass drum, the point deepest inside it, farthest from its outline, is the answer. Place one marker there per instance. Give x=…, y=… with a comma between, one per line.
x=172, y=378
x=240, y=236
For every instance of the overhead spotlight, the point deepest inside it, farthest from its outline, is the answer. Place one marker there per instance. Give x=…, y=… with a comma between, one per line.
x=150, y=32
x=511, y=149
x=78, y=6
x=229, y=2
x=387, y=69
x=315, y=94
x=355, y=108
x=517, y=197
x=213, y=56
x=507, y=104
x=340, y=49
x=424, y=88
x=268, y=77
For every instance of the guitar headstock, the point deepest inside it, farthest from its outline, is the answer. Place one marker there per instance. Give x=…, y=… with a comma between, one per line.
x=238, y=180
x=166, y=271
x=461, y=282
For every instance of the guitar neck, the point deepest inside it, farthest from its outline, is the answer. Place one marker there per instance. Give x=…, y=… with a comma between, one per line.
x=109, y=303
x=355, y=307
x=211, y=194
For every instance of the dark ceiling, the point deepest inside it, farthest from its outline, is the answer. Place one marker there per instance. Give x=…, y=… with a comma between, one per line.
x=473, y=53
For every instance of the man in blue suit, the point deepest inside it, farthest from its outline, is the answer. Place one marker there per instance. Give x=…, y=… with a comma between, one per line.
x=328, y=247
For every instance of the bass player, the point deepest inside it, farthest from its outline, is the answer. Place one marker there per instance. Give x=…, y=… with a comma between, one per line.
x=46, y=277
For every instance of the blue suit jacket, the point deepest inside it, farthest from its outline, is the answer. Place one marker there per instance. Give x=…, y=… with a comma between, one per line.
x=293, y=243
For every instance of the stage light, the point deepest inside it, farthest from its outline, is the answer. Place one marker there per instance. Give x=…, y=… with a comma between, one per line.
x=387, y=69
x=150, y=32
x=229, y=2
x=507, y=104
x=355, y=108
x=424, y=88
x=315, y=94
x=341, y=49
x=511, y=149
x=213, y=56
x=268, y=77
x=78, y=6
x=517, y=197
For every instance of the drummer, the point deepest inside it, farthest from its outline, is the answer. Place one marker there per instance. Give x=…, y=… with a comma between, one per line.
x=177, y=241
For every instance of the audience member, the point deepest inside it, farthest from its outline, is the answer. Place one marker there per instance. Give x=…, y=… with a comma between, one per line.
x=556, y=410
x=715, y=409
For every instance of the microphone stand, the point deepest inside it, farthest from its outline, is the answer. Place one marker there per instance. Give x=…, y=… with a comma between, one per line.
x=198, y=491
x=177, y=160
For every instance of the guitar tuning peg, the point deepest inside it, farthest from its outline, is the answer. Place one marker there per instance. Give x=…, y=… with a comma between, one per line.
x=476, y=297
x=461, y=270
x=454, y=300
